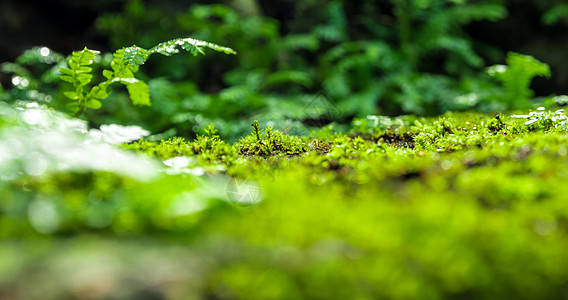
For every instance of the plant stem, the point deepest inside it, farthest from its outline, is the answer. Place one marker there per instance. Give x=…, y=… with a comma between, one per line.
x=80, y=109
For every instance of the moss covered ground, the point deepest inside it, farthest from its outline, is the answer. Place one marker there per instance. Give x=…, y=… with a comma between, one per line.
x=461, y=206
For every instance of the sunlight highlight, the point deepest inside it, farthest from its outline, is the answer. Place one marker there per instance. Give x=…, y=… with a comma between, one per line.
x=44, y=51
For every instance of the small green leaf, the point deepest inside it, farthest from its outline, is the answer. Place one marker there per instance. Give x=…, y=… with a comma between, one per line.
x=94, y=104
x=66, y=71
x=84, y=78
x=85, y=60
x=100, y=91
x=74, y=63
x=67, y=78
x=84, y=70
x=71, y=95
x=108, y=74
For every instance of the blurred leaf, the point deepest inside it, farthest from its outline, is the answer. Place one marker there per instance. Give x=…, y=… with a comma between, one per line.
x=284, y=77
x=516, y=77
x=556, y=14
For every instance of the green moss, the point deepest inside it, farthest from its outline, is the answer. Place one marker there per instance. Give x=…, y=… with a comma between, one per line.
x=399, y=148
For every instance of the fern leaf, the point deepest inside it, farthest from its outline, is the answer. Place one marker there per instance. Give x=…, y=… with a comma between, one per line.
x=188, y=44
x=135, y=56
x=71, y=95
x=84, y=57
x=66, y=71
x=137, y=89
x=122, y=67
x=79, y=70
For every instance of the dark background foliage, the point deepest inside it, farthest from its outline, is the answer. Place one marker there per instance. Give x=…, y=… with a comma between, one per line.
x=386, y=57
x=65, y=25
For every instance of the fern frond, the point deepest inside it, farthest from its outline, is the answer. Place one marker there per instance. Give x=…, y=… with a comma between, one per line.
x=136, y=56
x=79, y=69
x=188, y=44
x=79, y=74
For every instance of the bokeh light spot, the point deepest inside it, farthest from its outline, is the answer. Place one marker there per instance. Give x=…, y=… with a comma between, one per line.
x=44, y=51
x=43, y=216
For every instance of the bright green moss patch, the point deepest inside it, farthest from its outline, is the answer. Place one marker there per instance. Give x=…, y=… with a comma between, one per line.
x=391, y=144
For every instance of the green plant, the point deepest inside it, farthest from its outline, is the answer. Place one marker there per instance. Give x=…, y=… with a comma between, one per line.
x=516, y=78
x=256, y=130
x=126, y=62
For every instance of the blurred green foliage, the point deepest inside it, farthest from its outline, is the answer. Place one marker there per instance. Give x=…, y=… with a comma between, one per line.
x=557, y=13
x=407, y=57
x=516, y=78
x=35, y=77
